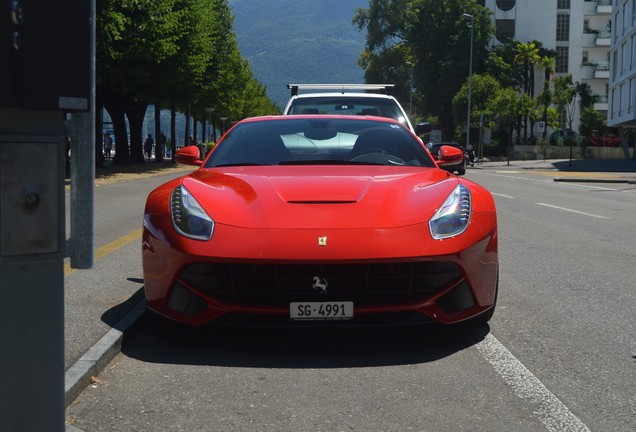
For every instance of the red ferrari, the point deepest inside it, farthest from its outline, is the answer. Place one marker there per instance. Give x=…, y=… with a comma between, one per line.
x=320, y=220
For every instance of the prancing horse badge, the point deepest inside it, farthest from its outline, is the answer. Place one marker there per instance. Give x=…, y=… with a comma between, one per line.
x=322, y=241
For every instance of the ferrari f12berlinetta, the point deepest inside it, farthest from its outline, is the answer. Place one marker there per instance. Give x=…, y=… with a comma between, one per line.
x=320, y=220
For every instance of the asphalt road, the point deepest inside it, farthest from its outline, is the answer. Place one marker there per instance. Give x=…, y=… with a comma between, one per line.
x=559, y=354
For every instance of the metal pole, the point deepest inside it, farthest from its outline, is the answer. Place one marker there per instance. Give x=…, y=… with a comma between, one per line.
x=411, y=91
x=470, y=75
x=79, y=246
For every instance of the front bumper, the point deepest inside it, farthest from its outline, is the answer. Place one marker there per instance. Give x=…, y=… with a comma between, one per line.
x=401, y=283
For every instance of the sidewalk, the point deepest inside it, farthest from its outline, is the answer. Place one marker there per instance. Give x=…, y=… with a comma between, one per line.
x=588, y=171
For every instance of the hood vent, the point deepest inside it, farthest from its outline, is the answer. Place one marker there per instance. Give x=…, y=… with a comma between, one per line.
x=321, y=202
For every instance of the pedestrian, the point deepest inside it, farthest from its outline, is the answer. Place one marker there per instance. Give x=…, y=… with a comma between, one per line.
x=471, y=155
x=148, y=145
x=108, y=145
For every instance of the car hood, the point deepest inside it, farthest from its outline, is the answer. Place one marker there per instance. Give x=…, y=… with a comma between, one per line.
x=336, y=197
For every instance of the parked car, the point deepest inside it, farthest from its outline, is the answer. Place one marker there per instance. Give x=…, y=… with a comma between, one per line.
x=605, y=140
x=320, y=220
x=351, y=99
x=459, y=168
x=564, y=137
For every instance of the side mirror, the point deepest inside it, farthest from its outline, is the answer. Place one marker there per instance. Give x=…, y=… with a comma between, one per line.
x=423, y=128
x=190, y=155
x=449, y=155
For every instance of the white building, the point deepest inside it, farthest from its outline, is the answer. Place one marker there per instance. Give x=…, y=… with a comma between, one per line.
x=578, y=30
x=622, y=83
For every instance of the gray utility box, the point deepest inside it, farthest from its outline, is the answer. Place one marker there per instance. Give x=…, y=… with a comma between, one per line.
x=30, y=219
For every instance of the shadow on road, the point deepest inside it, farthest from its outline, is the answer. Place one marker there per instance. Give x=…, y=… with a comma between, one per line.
x=597, y=165
x=157, y=340
x=114, y=315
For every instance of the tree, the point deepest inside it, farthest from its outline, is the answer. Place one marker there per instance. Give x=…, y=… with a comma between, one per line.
x=502, y=65
x=547, y=64
x=434, y=37
x=136, y=38
x=592, y=121
x=174, y=53
x=484, y=89
x=563, y=96
x=528, y=56
x=507, y=105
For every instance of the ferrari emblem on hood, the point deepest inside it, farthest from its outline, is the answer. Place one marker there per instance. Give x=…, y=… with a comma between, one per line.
x=322, y=241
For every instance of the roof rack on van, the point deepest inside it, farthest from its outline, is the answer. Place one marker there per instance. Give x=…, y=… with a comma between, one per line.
x=388, y=88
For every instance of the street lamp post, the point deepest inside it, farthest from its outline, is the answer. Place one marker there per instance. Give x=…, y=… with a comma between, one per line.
x=410, y=65
x=223, y=119
x=471, y=24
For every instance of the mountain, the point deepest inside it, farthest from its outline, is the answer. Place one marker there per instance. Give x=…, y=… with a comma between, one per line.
x=299, y=41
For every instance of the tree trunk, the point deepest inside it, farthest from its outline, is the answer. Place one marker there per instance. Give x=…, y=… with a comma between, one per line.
x=158, y=144
x=173, y=132
x=446, y=122
x=187, y=127
x=194, y=128
x=117, y=115
x=136, y=113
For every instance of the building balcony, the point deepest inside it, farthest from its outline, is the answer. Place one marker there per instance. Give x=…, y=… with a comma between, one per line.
x=604, y=7
x=589, y=40
x=598, y=7
x=601, y=70
x=601, y=103
x=604, y=39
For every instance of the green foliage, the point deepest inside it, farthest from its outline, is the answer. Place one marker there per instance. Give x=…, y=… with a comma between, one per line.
x=170, y=52
x=563, y=96
x=528, y=56
x=484, y=89
x=434, y=37
x=501, y=64
x=592, y=120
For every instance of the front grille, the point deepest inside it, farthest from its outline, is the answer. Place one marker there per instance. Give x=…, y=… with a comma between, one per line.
x=276, y=285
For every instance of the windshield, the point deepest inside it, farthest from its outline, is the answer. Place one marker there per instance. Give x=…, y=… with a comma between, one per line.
x=302, y=140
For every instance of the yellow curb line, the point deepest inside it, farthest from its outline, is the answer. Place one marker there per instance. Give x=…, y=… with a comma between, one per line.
x=108, y=249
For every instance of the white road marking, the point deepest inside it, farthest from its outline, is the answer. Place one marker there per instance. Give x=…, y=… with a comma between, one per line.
x=573, y=211
x=550, y=410
x=502, y=195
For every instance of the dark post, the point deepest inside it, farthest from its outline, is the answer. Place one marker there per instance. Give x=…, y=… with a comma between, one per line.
x=46, y=72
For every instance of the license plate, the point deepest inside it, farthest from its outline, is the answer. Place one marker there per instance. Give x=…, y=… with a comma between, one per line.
x=321, y=310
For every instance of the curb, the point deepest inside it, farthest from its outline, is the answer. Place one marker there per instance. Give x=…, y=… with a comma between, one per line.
x=78, y=376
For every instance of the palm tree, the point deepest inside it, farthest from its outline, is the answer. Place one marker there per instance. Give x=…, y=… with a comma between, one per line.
x=528, y=56
x=547, y=64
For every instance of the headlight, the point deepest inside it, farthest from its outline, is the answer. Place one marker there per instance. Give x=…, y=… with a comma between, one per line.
x=188, y=217
x=452, y=218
